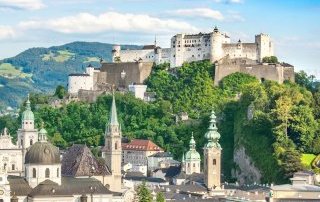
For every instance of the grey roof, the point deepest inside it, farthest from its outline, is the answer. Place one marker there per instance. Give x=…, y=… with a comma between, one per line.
x=171, y=171
x=70, y=186
x=18, y=185
x=302, y=187
x=78, y=74
x=42, y=153
x=134, y=174
x=162, y=154
x=144, y=178
x=79, y=161
x=196, y=177
x=190, y=188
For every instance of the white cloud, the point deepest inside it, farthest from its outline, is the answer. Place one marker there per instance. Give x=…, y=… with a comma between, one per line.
x=22, y=4
x=229, y=1
x=86, y=23
x=199, y=12
x=6, y=32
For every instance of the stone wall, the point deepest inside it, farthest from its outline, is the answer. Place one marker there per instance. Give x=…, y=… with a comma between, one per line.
x=273, y=72
x=135, y=72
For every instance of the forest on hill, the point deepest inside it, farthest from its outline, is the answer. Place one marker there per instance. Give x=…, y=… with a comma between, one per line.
x=275, y=123
x=40, y=70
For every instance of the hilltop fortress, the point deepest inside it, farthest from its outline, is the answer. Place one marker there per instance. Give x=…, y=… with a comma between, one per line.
x=194, y=47
x=134, y=66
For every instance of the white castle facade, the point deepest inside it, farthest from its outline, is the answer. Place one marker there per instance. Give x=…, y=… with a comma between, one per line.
x=194, y=47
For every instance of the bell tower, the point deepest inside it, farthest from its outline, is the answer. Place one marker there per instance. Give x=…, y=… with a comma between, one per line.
x=212, y=156
x=27, y=134
x=112, y=151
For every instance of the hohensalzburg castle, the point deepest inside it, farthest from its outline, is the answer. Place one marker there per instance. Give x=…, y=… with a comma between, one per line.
x=195, y=47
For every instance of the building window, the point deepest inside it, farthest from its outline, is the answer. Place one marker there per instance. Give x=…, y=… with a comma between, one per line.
x=188, y=165
x=31, y=142
x=116, y=146
x=214, y=162
x=34, y=173
x=13, y=167
x=194, y=165
x=57, y=172
x=47, y=173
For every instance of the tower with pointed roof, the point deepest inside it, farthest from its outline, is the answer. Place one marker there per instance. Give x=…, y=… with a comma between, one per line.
x=192, y=158
x=27, y=134
x=212, y=156
x=112, y=151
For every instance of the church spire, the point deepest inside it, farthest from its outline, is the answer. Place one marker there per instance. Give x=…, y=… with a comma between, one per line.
x=212, y=135
x=192, y=143
x=113, y=114
x=28, y=107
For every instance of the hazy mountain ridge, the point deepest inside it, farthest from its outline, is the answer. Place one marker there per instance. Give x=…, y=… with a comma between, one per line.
x=42, y=69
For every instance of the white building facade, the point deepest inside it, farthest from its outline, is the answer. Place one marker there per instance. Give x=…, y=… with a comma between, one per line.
x=194, y=47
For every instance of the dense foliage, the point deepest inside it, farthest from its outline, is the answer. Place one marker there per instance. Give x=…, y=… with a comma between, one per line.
x=143, y=193
x=274, y=123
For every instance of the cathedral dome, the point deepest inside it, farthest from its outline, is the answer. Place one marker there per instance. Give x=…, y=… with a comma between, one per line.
x=42, y=153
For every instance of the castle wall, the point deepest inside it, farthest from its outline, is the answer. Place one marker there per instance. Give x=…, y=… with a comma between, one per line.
x=77, y=82
x=273, y=72
x=240, y=50
x=135, y=72
x=134, y=55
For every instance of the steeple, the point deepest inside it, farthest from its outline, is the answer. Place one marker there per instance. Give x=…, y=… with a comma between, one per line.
x=42, y=134
x=28, y=107
x=27, y=118
x=113, y=115
x=212, y=135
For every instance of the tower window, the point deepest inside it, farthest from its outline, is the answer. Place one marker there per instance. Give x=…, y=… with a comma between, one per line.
x=4, y=166
x=47, y=173
x=31, y=142
x=116, y=145
x=13, y=167
x=57, y=172
x=34, y=173
x=194, y=165
x=214, y=162
x=188, y=165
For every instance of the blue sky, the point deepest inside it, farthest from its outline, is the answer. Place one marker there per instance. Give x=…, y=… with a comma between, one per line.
x=293, y=25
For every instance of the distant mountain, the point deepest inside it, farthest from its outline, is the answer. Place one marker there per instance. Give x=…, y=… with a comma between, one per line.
x=42, y=69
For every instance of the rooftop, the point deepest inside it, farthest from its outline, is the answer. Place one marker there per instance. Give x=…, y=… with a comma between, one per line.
x=141, y=145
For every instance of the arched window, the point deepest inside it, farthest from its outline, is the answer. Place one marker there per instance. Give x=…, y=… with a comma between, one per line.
x=31, y=142
x=4, y=166
x=47, y=173
x=57, y=172
x=13, y=167
x=194, y=165
x=214, y=162
x=116, y=146
x=34, y=173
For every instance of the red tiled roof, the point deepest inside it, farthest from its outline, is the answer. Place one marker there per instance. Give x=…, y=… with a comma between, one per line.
x=141, y=145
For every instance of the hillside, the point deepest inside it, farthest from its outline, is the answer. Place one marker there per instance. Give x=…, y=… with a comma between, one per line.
x=268, y=130
x=42, y=69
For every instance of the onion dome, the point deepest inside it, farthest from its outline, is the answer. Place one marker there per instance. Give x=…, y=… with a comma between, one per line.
x=212, y=135
x=27, y=115
x=42, y=152
x=192, y=154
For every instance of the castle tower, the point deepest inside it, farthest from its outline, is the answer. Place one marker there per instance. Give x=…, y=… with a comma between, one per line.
x=112, y=151
x=27, y=134
x=216, y=40
x=212, y=156
x=192, y=159
x=264, y=45
x=116, y=53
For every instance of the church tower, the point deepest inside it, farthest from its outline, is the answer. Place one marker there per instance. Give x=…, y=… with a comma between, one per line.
x=112, y=151
x=27, y=134
x=192, y=159
x=212, y=156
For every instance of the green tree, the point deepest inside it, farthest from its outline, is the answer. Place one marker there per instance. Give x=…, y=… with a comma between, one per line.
x=160, y=197
x=58, y=140
x=271, y=59
x=60, y=91
x=143, y=193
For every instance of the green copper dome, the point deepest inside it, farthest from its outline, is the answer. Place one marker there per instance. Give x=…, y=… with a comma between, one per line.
x=27, y=115
x=192, y=154
x=212, y=135
x=43, y=133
